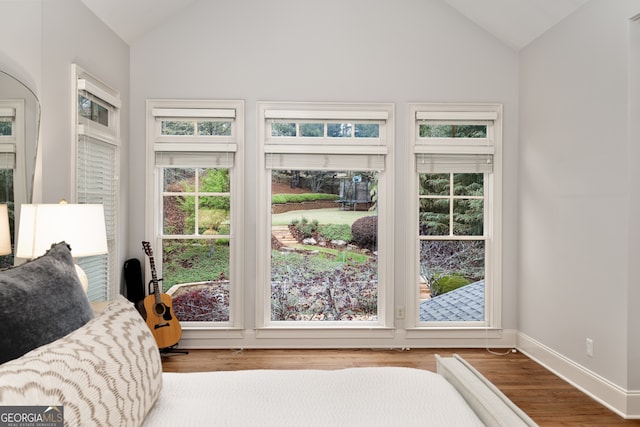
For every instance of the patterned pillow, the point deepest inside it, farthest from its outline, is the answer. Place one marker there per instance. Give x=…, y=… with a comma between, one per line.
x=40, y=301
x=106, y=373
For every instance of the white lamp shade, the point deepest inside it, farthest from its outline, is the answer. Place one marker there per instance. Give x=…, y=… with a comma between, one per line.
x=81, y=226
x=5, y=233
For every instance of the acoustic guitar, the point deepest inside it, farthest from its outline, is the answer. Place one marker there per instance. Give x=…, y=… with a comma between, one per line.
x=164, y=325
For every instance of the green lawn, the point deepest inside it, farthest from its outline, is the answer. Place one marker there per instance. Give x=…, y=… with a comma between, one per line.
x=324, y=216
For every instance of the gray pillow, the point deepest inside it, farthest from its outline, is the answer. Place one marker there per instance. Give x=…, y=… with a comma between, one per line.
x=40, y=301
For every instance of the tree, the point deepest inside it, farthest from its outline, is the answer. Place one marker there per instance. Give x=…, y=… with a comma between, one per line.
x=214, y=210
x=453, y=131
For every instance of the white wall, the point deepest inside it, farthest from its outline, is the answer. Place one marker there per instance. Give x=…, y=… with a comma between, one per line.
x=633, y=356
x=71, y=33
x=359, y=51
x=575, y=272
x=20, y=53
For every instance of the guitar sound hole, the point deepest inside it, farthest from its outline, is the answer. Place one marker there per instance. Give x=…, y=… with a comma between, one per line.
x=159, y=309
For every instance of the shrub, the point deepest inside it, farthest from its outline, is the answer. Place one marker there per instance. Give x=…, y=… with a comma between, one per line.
x=304, y=227
x=364, y=232
x=336, y=232
x=444, y=284
x=304, y=197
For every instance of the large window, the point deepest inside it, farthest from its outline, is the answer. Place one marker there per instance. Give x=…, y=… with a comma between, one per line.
x=97, y=113
x=457, y=151
x=326, y=216
x=195, y=151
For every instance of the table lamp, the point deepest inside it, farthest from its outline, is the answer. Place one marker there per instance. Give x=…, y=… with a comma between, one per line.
x=81, y=226
x=5, y=233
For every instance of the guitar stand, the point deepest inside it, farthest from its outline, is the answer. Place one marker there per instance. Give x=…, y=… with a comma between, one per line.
x=168, y=351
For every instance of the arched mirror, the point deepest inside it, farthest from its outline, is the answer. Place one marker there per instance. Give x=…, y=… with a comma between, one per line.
x=19, y=124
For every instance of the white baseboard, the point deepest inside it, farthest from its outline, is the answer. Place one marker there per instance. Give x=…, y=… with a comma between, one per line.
x=346, y=338
x=623, y=402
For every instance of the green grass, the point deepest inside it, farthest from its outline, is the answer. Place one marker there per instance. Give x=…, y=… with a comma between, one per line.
x=340, y=256
x=324, y=216
x=190, y=261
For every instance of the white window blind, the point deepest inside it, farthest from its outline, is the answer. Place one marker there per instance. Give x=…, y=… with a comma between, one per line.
x=454, y=163
x=297, y=161
x=7, y=156
x=452, y=116
x=7, y=160
x=219, y=155
x=194, y=113
x=7, y=112
x=93, y=88
x=194, y=159
x=326, y=114
x=97, y=183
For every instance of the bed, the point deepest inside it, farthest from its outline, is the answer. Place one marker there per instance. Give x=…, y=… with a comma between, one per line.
x=107, y=372
x=378, y=396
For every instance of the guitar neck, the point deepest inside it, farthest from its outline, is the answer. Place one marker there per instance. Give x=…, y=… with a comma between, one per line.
x=154, y=279
x=149, y=252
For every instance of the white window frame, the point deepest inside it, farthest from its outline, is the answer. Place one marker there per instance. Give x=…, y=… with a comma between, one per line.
x=490, y=147
x=382, y=147
x=84, y=83
x=233, y=146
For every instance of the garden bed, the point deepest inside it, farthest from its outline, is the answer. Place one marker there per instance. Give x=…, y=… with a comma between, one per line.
x=201, y=301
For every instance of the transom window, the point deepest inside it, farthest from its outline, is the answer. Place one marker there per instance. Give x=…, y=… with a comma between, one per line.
x=92, y=109
x=196, y=127
x=324, y=129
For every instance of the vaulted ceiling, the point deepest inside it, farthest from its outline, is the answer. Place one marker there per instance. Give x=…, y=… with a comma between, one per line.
x=515, y=22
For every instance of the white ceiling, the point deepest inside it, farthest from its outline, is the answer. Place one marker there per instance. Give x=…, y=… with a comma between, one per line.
x=514, y=22
x=132, y=18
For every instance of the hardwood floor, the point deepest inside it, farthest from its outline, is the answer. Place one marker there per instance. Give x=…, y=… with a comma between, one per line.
x=549, y=400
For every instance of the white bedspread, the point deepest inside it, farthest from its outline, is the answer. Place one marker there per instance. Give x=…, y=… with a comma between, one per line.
x=382, y=396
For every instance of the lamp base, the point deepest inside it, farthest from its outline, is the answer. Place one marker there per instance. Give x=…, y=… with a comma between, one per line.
x=83, y=278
